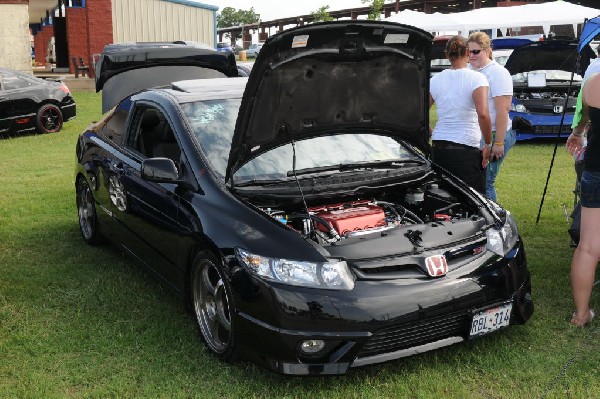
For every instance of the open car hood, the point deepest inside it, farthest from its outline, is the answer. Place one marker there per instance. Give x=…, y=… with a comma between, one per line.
x=118, y=75
x=333, y=77
x=544, y=55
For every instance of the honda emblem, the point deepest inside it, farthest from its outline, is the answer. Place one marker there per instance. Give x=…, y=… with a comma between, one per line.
x=436, y=265
x=558, y=109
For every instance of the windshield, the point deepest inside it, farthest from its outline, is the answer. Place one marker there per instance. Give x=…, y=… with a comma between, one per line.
x=213, y=124
x=320, y=152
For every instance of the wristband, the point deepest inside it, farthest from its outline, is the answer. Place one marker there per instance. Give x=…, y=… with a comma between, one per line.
x=498, y=143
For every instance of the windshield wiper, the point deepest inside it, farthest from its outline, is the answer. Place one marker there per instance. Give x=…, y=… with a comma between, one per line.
x=255, y=182
x=356, y=166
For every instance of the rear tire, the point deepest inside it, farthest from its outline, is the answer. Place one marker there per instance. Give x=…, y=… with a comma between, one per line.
x=86, y=210
x=49, y=119
x=213, y=307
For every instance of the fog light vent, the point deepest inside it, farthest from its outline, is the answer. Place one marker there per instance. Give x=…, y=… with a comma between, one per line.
x=312, y=346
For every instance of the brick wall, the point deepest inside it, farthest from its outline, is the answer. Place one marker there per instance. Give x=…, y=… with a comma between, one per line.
x=100, y=27
x=41, y=40
x=89, y=29
x=39, y=48
x=77, y=34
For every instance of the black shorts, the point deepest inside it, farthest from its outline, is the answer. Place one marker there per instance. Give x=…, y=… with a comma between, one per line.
x=461, y=160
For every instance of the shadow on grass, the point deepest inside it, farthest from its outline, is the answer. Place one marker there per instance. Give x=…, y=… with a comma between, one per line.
x=16, y=135
x=105, y=316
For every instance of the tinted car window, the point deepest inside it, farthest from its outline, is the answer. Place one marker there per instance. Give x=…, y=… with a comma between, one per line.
x=12, y=82
x=153, y=136
x=114, y=128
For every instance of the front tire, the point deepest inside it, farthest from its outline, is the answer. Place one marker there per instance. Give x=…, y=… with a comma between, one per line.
x=86, y=210
x=49, y=119
x=213, y=307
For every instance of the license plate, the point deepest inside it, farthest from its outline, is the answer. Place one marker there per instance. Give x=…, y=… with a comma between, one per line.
x=490, y=319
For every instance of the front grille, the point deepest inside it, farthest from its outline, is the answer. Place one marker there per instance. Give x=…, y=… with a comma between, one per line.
x=404, y=336
x=406, y=266
x=551, y=129
x=548, y=110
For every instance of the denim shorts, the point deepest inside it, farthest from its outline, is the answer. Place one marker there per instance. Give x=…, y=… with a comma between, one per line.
x=590, y=189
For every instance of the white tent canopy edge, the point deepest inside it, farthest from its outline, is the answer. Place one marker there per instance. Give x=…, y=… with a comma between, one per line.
x=494, y=18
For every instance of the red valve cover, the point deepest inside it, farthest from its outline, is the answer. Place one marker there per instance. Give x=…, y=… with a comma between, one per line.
x=350, y=216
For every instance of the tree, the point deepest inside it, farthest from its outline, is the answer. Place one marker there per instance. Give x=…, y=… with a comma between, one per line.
x=231, y=17
x=321, y=15
x=376, y=9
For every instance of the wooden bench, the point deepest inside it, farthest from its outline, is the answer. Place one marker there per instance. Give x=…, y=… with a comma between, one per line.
x=81, y=67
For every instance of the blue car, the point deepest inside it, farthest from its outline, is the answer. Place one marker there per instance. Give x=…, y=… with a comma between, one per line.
x=223, y=46
x=545, y=88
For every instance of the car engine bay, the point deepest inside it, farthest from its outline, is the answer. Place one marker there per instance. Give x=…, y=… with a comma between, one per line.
x=348, y=219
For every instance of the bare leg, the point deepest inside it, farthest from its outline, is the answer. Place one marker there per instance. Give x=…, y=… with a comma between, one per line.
x=583, y=267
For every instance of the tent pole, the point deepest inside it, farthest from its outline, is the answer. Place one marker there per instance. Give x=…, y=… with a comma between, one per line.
x=562, y=119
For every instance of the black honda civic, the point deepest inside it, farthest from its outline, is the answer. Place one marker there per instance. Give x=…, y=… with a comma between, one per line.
x=297, y=211
x=29, y=104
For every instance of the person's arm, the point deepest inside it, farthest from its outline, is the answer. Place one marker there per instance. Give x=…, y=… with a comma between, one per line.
x=575, y=140
x=480, y=98
x=431, y=101
x=502, y=105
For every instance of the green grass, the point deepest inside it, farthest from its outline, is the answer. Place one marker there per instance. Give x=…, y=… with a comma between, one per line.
x=80, y=321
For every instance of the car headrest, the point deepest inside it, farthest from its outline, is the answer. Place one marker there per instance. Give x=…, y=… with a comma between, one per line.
x=167, y=135
x=150, y=120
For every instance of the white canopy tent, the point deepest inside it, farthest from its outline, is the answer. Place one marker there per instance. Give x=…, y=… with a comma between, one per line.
x=494, y=18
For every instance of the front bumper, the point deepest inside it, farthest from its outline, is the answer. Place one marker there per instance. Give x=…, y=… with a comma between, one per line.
x=68, y=109
x=377, y=321
x=542, y=126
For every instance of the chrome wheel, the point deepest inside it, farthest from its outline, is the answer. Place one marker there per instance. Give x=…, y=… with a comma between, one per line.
x=86, y=210
x=211, y=301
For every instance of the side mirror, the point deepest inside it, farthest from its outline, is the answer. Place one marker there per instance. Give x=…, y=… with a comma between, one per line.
x=160, y=170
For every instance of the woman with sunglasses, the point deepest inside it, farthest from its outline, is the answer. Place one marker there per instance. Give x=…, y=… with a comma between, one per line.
x=463, y=116
x=499, y=99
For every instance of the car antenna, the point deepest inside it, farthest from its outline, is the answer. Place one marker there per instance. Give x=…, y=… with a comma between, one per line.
x=312, y=225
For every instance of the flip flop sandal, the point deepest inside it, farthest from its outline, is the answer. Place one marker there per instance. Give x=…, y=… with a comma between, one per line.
x=592, y=315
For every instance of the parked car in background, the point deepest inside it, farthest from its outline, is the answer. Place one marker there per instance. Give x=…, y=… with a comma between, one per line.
x=161, y=62
x=30, y=104
x=542, y=72
x=296, y=210
x=439, y=62
x=223, y=46
x=253, y=50
x=503, y=47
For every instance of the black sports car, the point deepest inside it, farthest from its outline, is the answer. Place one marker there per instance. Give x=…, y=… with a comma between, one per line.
x=296, y=209
x=28, y=103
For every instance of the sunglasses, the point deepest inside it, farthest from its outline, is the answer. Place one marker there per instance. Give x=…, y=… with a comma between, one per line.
x=476, y=51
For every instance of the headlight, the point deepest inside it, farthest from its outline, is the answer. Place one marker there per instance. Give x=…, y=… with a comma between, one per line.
x=518, y=107
x=327, y=275
x=501, y=241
